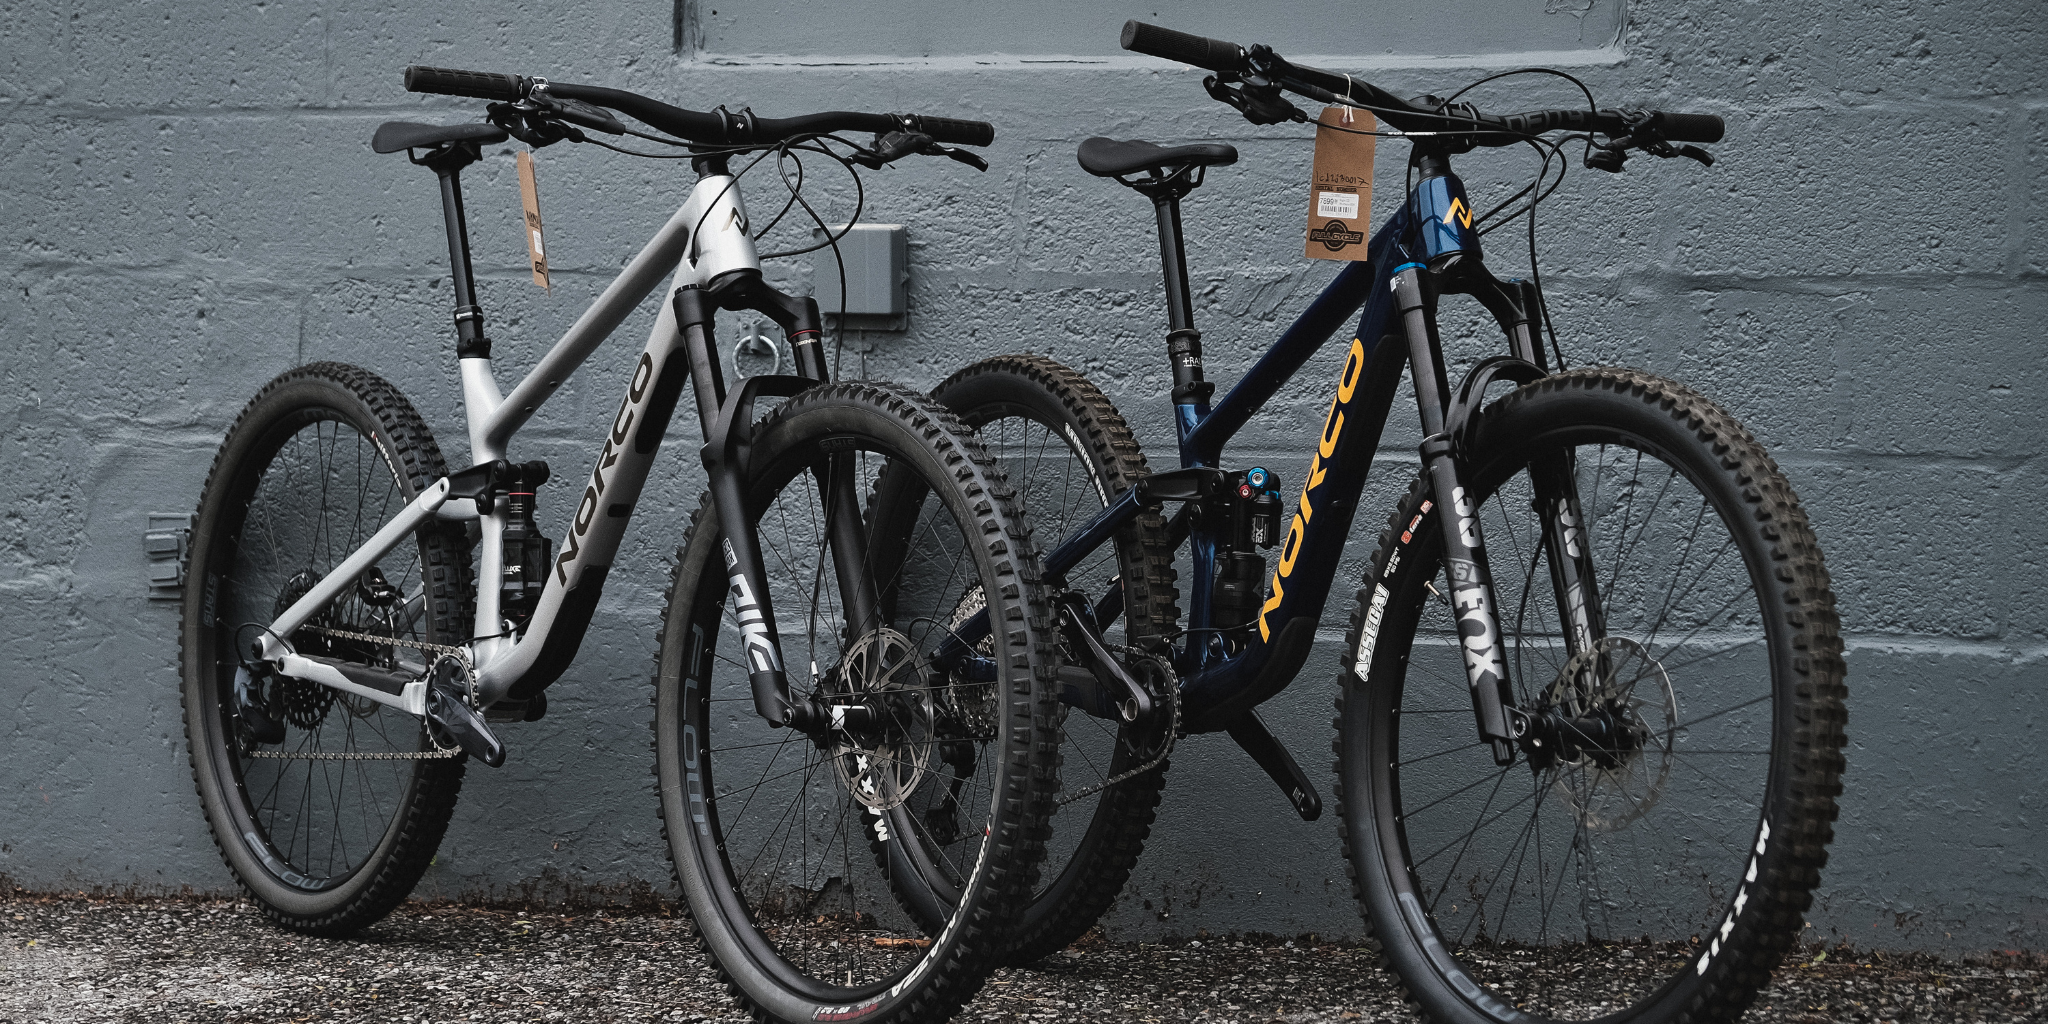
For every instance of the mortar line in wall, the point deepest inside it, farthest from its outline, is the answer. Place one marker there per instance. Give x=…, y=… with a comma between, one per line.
x=1039, y=282
x=1583, y=57
x=2017, y=194
x=1801, y=106
x=1847, y=458
x=1803, y=284
x=1334, y=632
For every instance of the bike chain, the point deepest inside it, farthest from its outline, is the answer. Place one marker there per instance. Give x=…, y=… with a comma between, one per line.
x=1173, y=730
x=396, y=755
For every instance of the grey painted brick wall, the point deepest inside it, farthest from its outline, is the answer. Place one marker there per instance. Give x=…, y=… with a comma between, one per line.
x=191, y=208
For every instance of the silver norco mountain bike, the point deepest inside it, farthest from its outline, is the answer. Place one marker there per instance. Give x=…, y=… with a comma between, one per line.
x=360, y=621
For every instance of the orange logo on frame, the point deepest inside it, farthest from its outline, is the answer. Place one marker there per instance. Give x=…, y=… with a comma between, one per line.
x=1460, y=211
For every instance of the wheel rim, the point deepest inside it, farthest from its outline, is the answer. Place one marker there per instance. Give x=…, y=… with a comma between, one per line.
x=792, y=849
x=1497, y=868
x=312, y=812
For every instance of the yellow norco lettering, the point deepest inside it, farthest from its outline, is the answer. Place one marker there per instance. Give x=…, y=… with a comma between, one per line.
x=1333, y=428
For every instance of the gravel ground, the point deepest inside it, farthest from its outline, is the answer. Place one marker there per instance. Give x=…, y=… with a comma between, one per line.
x=77, y=959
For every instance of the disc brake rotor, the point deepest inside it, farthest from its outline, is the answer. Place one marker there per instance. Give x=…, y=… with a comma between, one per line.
x=882, y=762
x=1616, y=677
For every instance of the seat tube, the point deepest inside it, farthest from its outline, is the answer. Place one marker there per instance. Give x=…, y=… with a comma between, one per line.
x=1183, y=342
x=1190, y=396
x=1472, y=595
x=469, y=317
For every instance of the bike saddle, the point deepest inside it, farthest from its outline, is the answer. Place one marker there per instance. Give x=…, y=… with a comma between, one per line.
x=1109, y=158
x=393, y=136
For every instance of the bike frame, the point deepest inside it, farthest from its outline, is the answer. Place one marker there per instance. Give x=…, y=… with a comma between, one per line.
x=706, y=250
x=1426, y=249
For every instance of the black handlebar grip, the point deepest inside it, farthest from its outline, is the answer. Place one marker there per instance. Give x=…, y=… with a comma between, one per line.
x=1201, y=51
x=1690, y=127
x=478, y=84
x=957, y=132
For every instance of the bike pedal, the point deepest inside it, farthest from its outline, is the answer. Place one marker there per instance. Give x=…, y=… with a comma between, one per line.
x=1258, y=741
x=447, y=709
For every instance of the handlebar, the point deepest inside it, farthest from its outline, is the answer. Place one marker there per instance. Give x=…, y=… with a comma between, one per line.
x=1185, y=47
x=719, y=127
x=1430, y=115
x=481, y=85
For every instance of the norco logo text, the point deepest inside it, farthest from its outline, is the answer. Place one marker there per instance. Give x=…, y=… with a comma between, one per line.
x=1335, y=235
x=622, y=425
x=1333, y=428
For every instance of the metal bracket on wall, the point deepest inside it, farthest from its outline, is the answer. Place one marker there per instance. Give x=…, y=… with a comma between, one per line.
x=164, y=542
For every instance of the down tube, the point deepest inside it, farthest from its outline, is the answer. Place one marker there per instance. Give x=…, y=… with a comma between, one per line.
x=1316, y=535
x=605, y=505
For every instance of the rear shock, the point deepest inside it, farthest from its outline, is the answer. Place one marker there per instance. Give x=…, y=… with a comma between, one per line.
x=1249, y=511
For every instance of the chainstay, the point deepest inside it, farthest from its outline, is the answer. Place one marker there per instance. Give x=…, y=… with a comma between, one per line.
x=393, y=641
x=438, y=752
x=1172, y=731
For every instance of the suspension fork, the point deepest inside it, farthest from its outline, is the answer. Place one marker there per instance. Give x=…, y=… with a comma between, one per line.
x=1472, y=593
x=1568, y=552
x=726, y=430
x=1566, y=548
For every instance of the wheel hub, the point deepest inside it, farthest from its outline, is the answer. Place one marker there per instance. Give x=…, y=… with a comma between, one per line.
x=1604, y=730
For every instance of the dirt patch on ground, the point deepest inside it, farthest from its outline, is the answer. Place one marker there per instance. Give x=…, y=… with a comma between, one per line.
x=82, y=959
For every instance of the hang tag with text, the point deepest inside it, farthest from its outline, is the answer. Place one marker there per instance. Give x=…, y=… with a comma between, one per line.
x=529, y=197
x=1340, y=186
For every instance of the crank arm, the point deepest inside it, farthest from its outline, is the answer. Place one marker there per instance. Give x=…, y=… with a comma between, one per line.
x=449, y=711
x=1082, y=635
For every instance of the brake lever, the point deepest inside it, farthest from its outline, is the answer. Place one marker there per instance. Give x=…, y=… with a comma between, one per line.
x=1645, y=138
x=971, y=159
x=531, y=124
x=889, y=148
x=585, y=114
x=893, y=146
x=1258, y=99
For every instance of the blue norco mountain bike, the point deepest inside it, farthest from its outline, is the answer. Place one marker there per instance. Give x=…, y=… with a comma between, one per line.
x=1591, y=686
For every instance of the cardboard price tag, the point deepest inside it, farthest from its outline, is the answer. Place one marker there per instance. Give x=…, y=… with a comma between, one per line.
x=1340, y=186
x=529, y=197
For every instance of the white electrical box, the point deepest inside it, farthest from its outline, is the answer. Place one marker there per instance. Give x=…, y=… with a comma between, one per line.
x=877, y=260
